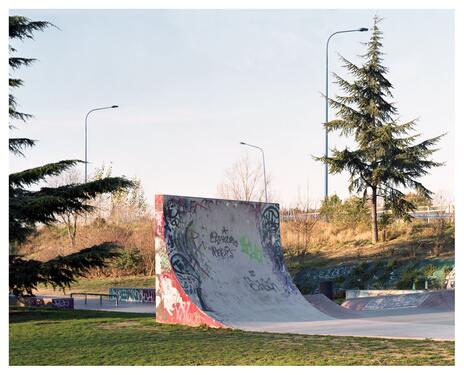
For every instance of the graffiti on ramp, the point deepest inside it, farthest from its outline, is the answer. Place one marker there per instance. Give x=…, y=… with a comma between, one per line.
x=220, y=263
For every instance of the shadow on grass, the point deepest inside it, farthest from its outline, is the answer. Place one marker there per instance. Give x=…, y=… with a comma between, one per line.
x=28, y=314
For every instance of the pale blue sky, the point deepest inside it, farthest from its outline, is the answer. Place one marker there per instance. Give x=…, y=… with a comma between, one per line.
x=192, y=84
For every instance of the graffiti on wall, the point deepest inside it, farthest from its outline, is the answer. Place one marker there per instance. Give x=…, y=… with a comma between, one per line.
x=140, y=295
x=252, y=250
x=260, y=284
x=270, y=241
x=57, y=303
x=215, y=251
x=63, y=303
x=450, y=280
x=222, y=245
x=178, y=283
x=395, y=302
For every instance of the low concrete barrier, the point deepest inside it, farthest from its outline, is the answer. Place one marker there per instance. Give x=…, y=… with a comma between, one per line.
x=443, y=299
x=55, y=302
x=354, y=293
x=140, y=295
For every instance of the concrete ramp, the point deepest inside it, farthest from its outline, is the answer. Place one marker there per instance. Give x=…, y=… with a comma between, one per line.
x=437, y=299
x=220, y=263
x=329, y=307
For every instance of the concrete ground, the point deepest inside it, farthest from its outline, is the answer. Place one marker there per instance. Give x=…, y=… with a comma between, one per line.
x=413, y=324
x=402, y=323
x=93, y=303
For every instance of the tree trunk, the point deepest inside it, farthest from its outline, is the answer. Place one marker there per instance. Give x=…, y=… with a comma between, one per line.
x=374, y=226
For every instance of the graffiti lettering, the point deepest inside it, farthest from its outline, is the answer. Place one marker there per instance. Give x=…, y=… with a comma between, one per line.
x=145, y=295
x=261, y=284
x=270, y=221
x=333, y=273
x=222, y=252
x=34, y=301
x=63, y=303
x=223, y=238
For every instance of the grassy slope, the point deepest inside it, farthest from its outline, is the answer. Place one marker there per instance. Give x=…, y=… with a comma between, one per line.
x=51, y=337
x=330, y=247
x=102, y=285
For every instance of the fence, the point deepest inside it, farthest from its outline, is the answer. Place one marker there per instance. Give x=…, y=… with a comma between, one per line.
x=439, y=212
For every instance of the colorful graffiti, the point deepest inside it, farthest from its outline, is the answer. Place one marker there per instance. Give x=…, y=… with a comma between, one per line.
x=178, y=282
x=63, y=303
x=140, y=295
x=57, y=302
x=216, y=258
x=450, y=280
x=253, y=251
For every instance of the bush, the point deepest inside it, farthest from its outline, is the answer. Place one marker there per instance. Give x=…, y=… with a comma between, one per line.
x=129, y=262
x=411, y=276
x=351, y=213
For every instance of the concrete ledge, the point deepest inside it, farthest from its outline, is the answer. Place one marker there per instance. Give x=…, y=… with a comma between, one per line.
x=55, y=302
x=354, y=293
x=140, y=295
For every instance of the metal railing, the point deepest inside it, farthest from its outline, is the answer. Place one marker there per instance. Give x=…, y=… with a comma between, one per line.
x=101, y=295
x=423, y=212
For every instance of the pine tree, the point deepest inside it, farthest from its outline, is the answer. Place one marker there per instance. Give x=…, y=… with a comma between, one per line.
x=28, y=207
x=386, y=158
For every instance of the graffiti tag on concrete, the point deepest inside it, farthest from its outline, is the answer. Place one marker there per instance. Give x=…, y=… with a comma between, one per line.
x=252, y=250
x=141, y=295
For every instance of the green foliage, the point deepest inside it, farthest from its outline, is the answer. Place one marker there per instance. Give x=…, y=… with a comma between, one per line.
x=329, y=207
x=59, y=272
x=429, y=270
x=412, y=276
x=372, y=275
x=129, y=261
x=386, y=158
x=29, y=207
x=349, y=213
x=418, y=199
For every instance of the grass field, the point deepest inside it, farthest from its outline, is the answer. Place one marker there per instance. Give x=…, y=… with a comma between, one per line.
x=102, y=285
x=53, y=337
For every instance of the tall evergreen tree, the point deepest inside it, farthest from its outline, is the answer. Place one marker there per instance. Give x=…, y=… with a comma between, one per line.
x=28, y=207
x=386, y=158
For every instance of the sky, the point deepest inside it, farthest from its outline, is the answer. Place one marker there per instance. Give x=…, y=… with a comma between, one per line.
x=192, y=84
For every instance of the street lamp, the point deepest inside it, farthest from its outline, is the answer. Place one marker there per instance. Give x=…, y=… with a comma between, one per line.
x=362, y=29
x=86, y=116
x=264, y=166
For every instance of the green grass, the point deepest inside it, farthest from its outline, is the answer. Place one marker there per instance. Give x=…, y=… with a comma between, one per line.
x=102, y=285
x=53, y=337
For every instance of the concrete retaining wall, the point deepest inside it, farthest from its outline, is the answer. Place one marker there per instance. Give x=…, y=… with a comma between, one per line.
x=353, y=293
x=140, y=295
x=55, y=302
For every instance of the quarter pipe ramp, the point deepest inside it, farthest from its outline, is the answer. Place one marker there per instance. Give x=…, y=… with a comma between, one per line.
x=220, y=263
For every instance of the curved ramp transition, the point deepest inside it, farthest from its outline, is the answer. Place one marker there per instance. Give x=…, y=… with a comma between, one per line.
x=220, y=263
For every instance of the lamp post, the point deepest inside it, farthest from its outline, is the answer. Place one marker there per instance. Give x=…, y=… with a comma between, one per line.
x=362, y=29
x=86, y=117
x=264, y=166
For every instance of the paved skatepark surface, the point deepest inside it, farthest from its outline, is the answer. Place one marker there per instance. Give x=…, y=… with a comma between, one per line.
x=220, y=263
x=93, y=303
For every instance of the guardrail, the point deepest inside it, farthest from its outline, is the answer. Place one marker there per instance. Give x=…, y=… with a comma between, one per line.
x=101, y=295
